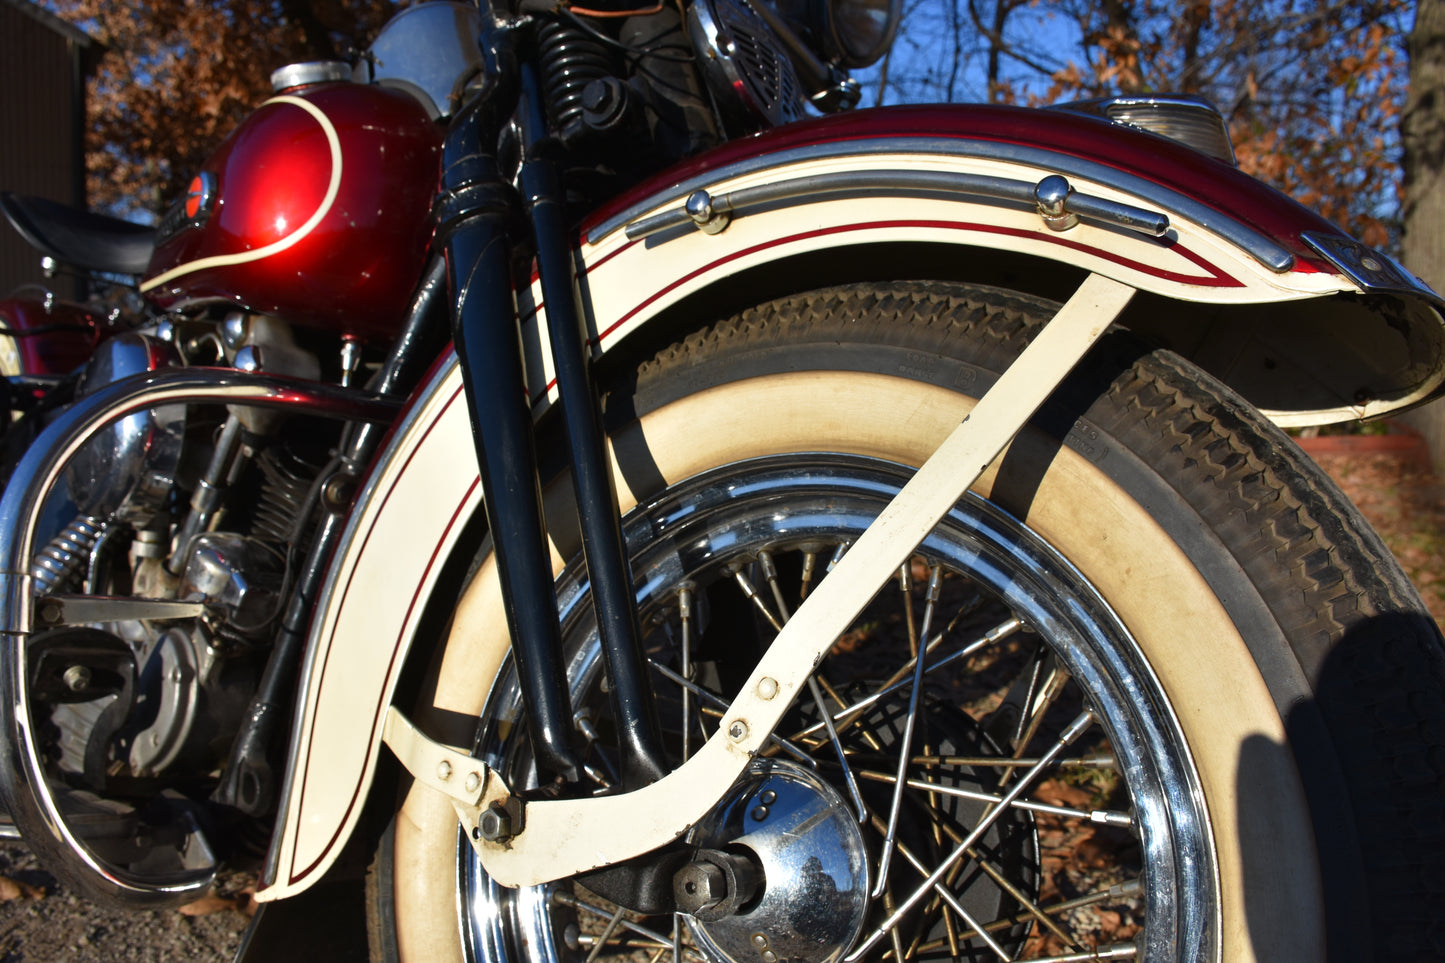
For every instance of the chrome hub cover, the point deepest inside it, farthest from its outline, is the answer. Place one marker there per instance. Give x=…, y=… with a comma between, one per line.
x=814, y=897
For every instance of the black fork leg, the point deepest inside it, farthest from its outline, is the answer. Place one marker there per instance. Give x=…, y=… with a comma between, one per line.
x=603, y=546
x=475, y=206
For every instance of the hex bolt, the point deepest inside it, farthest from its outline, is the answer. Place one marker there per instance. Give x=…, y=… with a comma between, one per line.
x=77, y=678
x=698, y=887
x=494, y=825
x=738, y=731
x=444, y=770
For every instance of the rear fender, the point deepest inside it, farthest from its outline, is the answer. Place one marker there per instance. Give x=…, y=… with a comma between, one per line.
x=1267, y=295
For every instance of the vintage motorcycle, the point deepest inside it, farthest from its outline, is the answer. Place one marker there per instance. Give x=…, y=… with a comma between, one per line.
x=640, y=519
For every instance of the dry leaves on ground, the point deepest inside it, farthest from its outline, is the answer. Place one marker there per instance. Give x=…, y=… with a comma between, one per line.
x=11, y=889
x=1406, y=505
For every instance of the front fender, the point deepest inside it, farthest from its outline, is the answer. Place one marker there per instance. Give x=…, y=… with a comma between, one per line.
x=1262, y=292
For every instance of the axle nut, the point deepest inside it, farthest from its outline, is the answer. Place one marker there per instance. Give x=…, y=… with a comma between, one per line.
x=699, y=887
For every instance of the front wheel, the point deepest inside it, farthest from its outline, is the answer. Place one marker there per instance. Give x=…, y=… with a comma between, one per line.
x=1162, y=660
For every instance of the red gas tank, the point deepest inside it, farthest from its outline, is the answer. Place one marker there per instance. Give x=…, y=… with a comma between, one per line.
x=315, y=209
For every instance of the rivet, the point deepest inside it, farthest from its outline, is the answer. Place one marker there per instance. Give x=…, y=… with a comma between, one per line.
x=1370, y=264
x=768, y=797
x=767, y=688
x=760, y=813
x=769, y=956
x=474, y=782
x=759, y=940
x=444, y=770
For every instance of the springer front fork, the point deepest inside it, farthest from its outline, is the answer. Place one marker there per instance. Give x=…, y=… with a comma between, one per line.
x=552, y=835
x=477, y=208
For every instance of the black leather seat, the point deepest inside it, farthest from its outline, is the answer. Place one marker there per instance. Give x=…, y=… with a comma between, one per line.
x=92, y=242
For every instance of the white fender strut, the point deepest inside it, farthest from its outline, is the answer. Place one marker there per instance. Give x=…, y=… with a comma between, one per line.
x=566, y=837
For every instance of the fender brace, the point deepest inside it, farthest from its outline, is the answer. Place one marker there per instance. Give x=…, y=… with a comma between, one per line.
x=544, y=840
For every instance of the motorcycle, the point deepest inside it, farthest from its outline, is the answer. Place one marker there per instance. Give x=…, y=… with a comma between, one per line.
x=644, y=517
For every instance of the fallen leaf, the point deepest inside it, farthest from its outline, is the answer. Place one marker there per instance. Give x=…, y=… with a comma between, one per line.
x=207, y=905
x=11, y=889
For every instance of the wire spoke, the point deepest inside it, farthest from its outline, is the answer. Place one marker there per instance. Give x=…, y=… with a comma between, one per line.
x=850, y=713
x=1102, y=817
x=656, y=938
x=905, y=749
x=1074, y=730
x=714, y=702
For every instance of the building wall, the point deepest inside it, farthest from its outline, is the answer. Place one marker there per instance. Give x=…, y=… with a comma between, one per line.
x=41, y=126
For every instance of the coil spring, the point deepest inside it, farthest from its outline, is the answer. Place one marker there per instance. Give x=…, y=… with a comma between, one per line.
x=570, y=60
x=282, y=498
x=65, y=555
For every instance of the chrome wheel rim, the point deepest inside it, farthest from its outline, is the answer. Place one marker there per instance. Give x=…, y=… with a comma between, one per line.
x=1038, y=644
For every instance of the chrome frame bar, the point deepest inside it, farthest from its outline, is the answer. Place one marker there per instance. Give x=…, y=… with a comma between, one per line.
x=43, y=464
x=22, y=774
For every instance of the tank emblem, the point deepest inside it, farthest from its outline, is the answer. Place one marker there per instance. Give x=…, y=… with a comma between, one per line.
x=200, y=197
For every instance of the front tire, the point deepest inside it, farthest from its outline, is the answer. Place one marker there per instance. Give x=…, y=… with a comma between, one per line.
x=1263, y=674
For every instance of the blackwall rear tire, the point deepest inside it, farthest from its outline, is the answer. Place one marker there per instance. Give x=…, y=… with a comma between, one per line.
x=1283, y=666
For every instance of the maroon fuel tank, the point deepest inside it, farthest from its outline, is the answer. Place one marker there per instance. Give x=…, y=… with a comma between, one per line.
x=315, y=209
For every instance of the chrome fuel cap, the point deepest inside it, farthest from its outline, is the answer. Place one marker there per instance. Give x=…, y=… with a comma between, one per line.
x=814, y=896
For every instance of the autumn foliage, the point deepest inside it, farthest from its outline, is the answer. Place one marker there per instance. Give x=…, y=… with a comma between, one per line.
x=178, y=75
x=1312, y=90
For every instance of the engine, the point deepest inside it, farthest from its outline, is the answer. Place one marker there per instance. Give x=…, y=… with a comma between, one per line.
x=204, y=511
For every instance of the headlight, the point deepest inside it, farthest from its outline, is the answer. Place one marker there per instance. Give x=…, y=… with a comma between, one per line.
x=860, y=31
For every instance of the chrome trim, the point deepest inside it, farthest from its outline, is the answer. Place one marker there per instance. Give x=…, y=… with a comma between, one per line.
x=309, y=72
x=1372, y=271
x=20, y=515
x=84, y=609
x=1184, y=118
x=1262, y=248
x=711, y=211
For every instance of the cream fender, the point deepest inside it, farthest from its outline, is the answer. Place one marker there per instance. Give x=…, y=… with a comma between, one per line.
x=689, y=234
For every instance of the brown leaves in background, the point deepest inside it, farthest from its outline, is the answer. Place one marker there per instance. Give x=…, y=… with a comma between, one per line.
x=178, y=75
x=1312, y=90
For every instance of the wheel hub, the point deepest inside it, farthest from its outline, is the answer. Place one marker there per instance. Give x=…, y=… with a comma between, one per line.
x=813, y=898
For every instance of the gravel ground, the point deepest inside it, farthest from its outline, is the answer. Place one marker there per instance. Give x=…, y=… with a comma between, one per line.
x=40, y=922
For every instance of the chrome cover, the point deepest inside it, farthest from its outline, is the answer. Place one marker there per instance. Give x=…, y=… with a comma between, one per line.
x=815, y=896
x=129, y=469
x=746, y=67
x=430, y=51
x=310, y=72
x=1368, y=268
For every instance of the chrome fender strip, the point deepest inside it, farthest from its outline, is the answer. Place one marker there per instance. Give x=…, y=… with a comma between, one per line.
x=1175, y=203
x=566, y=837
x=1057, y=203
